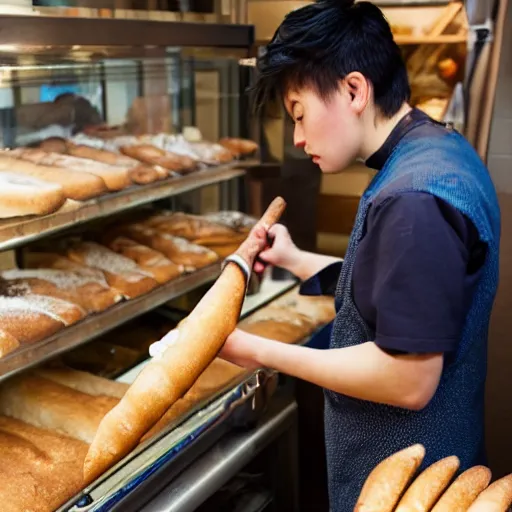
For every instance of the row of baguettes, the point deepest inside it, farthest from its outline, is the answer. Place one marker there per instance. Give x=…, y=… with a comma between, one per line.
x=66, y=281
x=38, y=181
x=394, y=485
x=49, y=415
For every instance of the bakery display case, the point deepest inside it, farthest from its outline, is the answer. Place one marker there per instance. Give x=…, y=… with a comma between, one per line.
x=125, y=146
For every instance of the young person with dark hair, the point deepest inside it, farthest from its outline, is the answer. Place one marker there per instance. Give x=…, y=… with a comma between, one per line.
x=407, y=357
x=414, y=293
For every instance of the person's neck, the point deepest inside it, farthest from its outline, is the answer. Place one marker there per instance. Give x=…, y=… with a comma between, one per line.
x=378, y=130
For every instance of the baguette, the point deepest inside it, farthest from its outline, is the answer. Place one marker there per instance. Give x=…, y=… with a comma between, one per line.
x=46, y=404
x=77, y=186
x=90, y=292
x=121, y=273
x=464, y=491
x=164, y=381
x=153, y=155
x=239, y=147
x=496, y=498
x=428, y=487
x=115, y=178
x=191, y=227
x=25, y=195
x=387, y=481
x=216, y=377
x=154, y=263
x=83, y=381
x=179, y=250
x=54, y=145
x=138, y=174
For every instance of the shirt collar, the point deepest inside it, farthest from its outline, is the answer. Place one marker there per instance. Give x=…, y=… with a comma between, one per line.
x=407, y=123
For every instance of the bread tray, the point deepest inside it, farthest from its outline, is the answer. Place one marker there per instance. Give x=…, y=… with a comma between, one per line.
x=153, y=464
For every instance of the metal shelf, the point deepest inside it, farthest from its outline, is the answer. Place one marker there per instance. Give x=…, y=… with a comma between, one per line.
x=96, y=325
x=14, y=234
x=27, y=31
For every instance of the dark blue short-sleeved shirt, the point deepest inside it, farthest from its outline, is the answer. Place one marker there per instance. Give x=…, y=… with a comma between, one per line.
x=415, y=270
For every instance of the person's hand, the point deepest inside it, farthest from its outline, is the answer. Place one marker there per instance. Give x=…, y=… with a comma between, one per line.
x=280, y=250
x=241, y=349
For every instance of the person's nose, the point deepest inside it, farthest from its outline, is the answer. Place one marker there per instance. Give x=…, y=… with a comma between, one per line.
x=299, y=141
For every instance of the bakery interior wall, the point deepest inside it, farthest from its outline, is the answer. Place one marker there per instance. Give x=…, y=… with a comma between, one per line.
x=499, y=382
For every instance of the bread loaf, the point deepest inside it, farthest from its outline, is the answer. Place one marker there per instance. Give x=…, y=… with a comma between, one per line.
x=46, y=404
x=428, y=487
x=122, y=274
x=8, y=343
x=239, y=147
x=83, y=381
x=387, y=481
x=496, y=498
x=464, y=491
x=90, y=292
x=237, y=221
x=179, y=250
x=319, y=310
x=115, y=178
x=54, y=145
x=40, y=470
x=164, y=381
x=77, y=186
x=24, y=195
x=152, y=155
x=154, y=263
x=138, y=173
x=191, y=227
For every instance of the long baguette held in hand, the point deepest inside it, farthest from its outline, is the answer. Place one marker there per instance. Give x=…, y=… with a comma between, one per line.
x=387, y=481
x=496, y=498
x=163, y=381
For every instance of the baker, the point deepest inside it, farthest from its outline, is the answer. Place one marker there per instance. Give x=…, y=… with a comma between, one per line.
x=407, y=357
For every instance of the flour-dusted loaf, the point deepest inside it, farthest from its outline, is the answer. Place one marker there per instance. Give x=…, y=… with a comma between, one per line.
x=179, y=250
x=122, y=274
x=154, y=263
x=79, y=186
x=165, y=380
x=464, y=490
x=8, y=343
x=428, y=486
x=90, y=291
x=496, y=498
x=388, y=480
x=22, y=195
x=47, y=404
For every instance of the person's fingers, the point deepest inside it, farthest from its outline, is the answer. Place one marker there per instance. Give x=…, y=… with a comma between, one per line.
x=259, y=266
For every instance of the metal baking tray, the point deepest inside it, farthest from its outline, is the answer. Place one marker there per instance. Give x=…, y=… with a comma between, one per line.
x=17, y=232
x=157, y=461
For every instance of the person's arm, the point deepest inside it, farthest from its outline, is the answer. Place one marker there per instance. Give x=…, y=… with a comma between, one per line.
x=363, y=371
x=411, y=271
x=285, y=254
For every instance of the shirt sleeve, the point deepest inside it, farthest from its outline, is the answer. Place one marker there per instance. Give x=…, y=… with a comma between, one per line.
x=324, y=282
x=415, y=264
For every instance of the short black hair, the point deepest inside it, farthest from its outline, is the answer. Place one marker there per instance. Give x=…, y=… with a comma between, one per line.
x=321, y=43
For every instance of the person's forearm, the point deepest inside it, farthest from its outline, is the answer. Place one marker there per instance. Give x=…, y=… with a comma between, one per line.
x=306, y=264
x=363, y=371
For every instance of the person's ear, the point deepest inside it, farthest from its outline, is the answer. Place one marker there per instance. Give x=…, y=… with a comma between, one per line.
x=359, y=90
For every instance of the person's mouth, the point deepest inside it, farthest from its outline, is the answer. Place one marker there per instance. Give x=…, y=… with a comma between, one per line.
x=315, y=158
